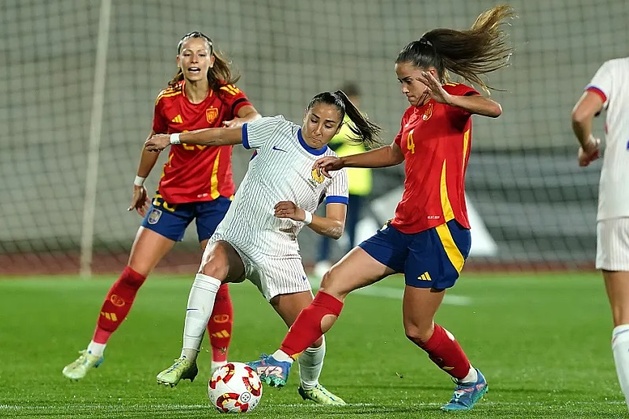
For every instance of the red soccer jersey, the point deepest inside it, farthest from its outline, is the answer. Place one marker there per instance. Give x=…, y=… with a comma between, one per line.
x=196, y=173
x=435, y=139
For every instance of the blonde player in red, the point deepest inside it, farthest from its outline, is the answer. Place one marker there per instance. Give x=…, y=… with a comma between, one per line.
x=428, y=239
x=609, y=91
x=196, y=184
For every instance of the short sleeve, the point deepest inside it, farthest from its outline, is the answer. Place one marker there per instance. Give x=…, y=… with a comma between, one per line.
x=160, y=123
x=602, y=82
x=234, y=99
x=398, y=137
x=337, y=191
x=256, y=133
x=460, y=89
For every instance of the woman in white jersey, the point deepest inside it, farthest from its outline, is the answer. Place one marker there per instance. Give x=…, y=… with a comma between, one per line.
x=609, y=91
x=257, y=239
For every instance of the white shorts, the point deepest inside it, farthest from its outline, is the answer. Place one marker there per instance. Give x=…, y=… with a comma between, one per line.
x=273, y=275
x=612, y=244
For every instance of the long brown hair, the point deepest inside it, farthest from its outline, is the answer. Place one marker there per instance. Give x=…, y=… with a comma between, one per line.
x=219, y=75
x=363, y=129
x=469, y=53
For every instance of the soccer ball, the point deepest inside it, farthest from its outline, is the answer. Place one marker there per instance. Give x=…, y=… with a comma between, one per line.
x=235, y=388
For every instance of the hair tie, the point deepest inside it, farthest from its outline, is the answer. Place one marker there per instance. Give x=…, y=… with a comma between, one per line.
x=424, y=41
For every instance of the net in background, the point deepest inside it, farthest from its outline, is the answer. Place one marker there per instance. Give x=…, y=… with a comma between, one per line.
x=523, y=178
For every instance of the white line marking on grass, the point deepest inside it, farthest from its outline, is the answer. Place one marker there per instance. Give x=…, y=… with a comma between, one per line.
x=396, y=293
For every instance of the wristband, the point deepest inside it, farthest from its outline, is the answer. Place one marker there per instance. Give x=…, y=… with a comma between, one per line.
x=307, y=217
x=139, y=181
x=174, y=139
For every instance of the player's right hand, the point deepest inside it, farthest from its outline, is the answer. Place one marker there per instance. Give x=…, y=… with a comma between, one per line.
x=590, y=153
x=327, y=164
x=140, y=201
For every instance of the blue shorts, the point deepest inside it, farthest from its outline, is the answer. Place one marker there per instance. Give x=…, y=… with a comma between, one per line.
x=171, y=220
x=429, y=259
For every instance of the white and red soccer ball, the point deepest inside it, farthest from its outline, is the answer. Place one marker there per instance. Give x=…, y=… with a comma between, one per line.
x=235, y=388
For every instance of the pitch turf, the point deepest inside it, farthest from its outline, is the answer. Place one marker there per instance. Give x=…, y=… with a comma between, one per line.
x=542, y=341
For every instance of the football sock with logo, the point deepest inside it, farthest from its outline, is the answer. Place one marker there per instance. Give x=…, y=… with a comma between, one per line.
x=198, y=313
x=446, y=352
x=310, y=366
x=620, y=349
x=220, y=325
x=307, y=327
x=117, y=304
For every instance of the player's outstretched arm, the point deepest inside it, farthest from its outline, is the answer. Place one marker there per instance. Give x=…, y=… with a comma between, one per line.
x=208, y=136
x=332, y=225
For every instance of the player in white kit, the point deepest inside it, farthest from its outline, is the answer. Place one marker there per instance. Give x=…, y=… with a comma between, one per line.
x=257, y=239
x=609, y=91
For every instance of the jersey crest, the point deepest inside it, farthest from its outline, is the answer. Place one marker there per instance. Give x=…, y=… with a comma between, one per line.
x=316, y=177
x=211, y=114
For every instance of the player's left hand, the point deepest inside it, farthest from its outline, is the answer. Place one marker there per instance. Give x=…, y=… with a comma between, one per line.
x=434, y=88
x=157, y=142
x=589, y=153
x=288, y=209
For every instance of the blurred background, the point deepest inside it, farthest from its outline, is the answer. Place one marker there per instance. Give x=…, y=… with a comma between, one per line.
x=80, y=78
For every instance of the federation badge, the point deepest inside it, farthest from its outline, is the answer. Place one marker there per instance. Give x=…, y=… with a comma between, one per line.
x=317, y=176
x=154, y=216
x=427, y=112
x=211, y=114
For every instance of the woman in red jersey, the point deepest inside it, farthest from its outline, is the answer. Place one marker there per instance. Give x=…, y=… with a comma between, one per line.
x=428, y=239
x=196, y=184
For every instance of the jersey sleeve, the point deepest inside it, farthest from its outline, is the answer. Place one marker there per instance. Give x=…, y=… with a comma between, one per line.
x=398, y=137
x=602, y=82
x=160, y=123
x=459, y=89
x=337, y=192
x=234, y=99
x=256, y=133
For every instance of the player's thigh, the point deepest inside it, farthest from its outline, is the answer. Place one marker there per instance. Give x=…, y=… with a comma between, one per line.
x=148, y=249
x=288, y=306
x=419, y=306
x=617, y=287
x=222, y=261
x=208, y=215
x=355, y=270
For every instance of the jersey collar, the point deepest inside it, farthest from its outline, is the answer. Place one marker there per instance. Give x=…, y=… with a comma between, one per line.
x=314, y=151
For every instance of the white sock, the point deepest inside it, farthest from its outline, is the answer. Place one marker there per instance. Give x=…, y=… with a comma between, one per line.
x=216, y=365
x=280, y=355
x=200, y=306
x=471, y=377
x=620, y=349
x=96, y=348
x=310, y=365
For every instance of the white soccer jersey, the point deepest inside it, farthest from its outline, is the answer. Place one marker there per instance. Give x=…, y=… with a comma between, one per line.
x=611, y=82
x=280, y=170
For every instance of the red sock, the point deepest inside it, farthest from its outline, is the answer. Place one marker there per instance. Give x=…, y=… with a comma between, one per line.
x=219, y=328
x=446, y=352
x=117, y=304
x=307, y=327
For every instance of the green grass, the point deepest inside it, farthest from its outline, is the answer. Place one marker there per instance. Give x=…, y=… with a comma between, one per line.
x=542, y=341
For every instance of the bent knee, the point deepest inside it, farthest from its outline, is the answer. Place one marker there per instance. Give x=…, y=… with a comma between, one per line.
x=332, y=284
x=418, y=334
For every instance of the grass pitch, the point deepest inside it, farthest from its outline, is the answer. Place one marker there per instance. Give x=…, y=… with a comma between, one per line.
x=542, y=341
